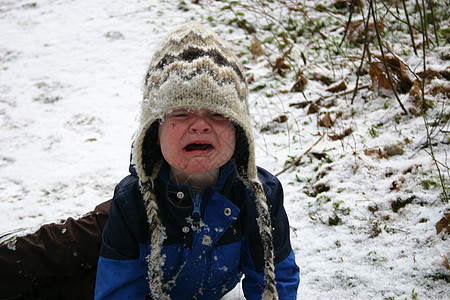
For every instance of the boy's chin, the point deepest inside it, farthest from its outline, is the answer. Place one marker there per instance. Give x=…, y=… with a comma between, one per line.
x=198, y=170
x=198, y=167
x=195, y=175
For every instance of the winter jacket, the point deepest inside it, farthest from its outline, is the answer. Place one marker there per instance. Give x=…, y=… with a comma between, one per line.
x=212, y=238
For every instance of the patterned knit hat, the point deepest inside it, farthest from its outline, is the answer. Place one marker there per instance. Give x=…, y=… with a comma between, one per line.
x=195, y=69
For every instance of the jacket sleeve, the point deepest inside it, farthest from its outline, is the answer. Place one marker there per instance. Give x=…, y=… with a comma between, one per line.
x=57, y=261
x=121, y=273
x=286, y=270
x=286, y=274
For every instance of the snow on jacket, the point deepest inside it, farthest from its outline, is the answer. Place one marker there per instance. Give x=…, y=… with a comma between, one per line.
x=211, y=240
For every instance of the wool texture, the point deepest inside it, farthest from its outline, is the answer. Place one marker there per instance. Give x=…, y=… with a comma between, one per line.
x=195, y=69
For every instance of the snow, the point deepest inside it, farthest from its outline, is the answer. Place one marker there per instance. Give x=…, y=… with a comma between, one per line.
x=70, y=87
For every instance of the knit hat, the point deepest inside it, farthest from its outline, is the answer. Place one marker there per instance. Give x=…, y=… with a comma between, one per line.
x=195, y=69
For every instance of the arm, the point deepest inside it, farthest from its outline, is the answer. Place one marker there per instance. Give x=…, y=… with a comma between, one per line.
x=56, y=261
x=286, y=270
x=121, y=272
x=286, y=274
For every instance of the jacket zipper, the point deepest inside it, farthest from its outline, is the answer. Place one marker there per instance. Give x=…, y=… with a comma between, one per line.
x=197, y=201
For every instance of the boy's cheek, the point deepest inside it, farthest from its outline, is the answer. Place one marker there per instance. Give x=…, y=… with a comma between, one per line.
x=228, y=134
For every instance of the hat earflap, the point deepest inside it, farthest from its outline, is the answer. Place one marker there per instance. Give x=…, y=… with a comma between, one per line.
x=241, y=159
x=265, y=231
x=154, y=259
x=148, y=161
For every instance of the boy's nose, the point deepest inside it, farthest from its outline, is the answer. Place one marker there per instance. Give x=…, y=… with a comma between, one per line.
x=200, y=125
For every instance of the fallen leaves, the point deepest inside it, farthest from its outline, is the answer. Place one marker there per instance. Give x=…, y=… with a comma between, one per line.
x=397, y=184
x=398, y=72
x=378, y=153
x=356, y=30
x=444, y=224
x=326, y=121
x=337, y=87
x=435, y=83
x=271, y=125
x=399, y=203
x=300, y=84
x=256, y=49
x=336, y=137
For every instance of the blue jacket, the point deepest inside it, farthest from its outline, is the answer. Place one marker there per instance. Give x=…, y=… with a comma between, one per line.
x=212, y=239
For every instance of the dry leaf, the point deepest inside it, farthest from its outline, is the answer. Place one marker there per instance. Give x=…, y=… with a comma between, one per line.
x=399, y=203
x=399, y=78
x=445, y=263
x=444, y=224
x=313, y=108
x=397, y=184
x=377, y=152
x=322, y=78
x=326, y=121
x=299, y=85
x=302, y=104
x=341, y=136
x=337, y=87
x=256, y=47
x=281, y=66
x=356, y=30
x=416, y=93
x=250, y=79
x=380, y=82
x=281, y=119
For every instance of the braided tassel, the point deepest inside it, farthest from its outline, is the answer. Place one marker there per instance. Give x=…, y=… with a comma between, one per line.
x=265, y=230
x=158, y=235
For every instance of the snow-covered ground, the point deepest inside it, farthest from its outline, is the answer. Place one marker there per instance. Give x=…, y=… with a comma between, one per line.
x=70, y=87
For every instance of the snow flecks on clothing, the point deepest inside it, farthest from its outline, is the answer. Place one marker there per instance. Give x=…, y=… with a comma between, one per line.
x=199, y=227
x=172, y=282
x=207, y=241
x=200, y=291
x=163, y=259
x=11, y=243
x=218, y=230
x=223, y=268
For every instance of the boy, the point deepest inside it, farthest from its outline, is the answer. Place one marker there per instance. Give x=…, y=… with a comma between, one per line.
x=213, y=215
x=196, y=212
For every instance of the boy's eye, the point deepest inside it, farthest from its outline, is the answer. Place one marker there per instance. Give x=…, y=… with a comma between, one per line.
x=218, y=117
x=180, y=114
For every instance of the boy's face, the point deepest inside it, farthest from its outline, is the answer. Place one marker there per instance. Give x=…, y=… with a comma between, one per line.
x=196, y=141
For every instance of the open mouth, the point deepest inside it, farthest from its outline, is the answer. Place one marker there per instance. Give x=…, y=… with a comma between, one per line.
x=198, y=147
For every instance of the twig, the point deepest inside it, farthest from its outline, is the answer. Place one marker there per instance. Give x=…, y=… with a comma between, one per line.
x=429, y=138
x=384, y=58
x=307, y=102
x=431, y=4
x=425, y=30
x=410, y=28
x=422, y=30
x=348, y=23
x=300, y=157
x=366, y=44
x=350, y=91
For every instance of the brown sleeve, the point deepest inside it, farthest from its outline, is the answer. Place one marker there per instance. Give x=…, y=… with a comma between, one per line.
x=59, y=261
